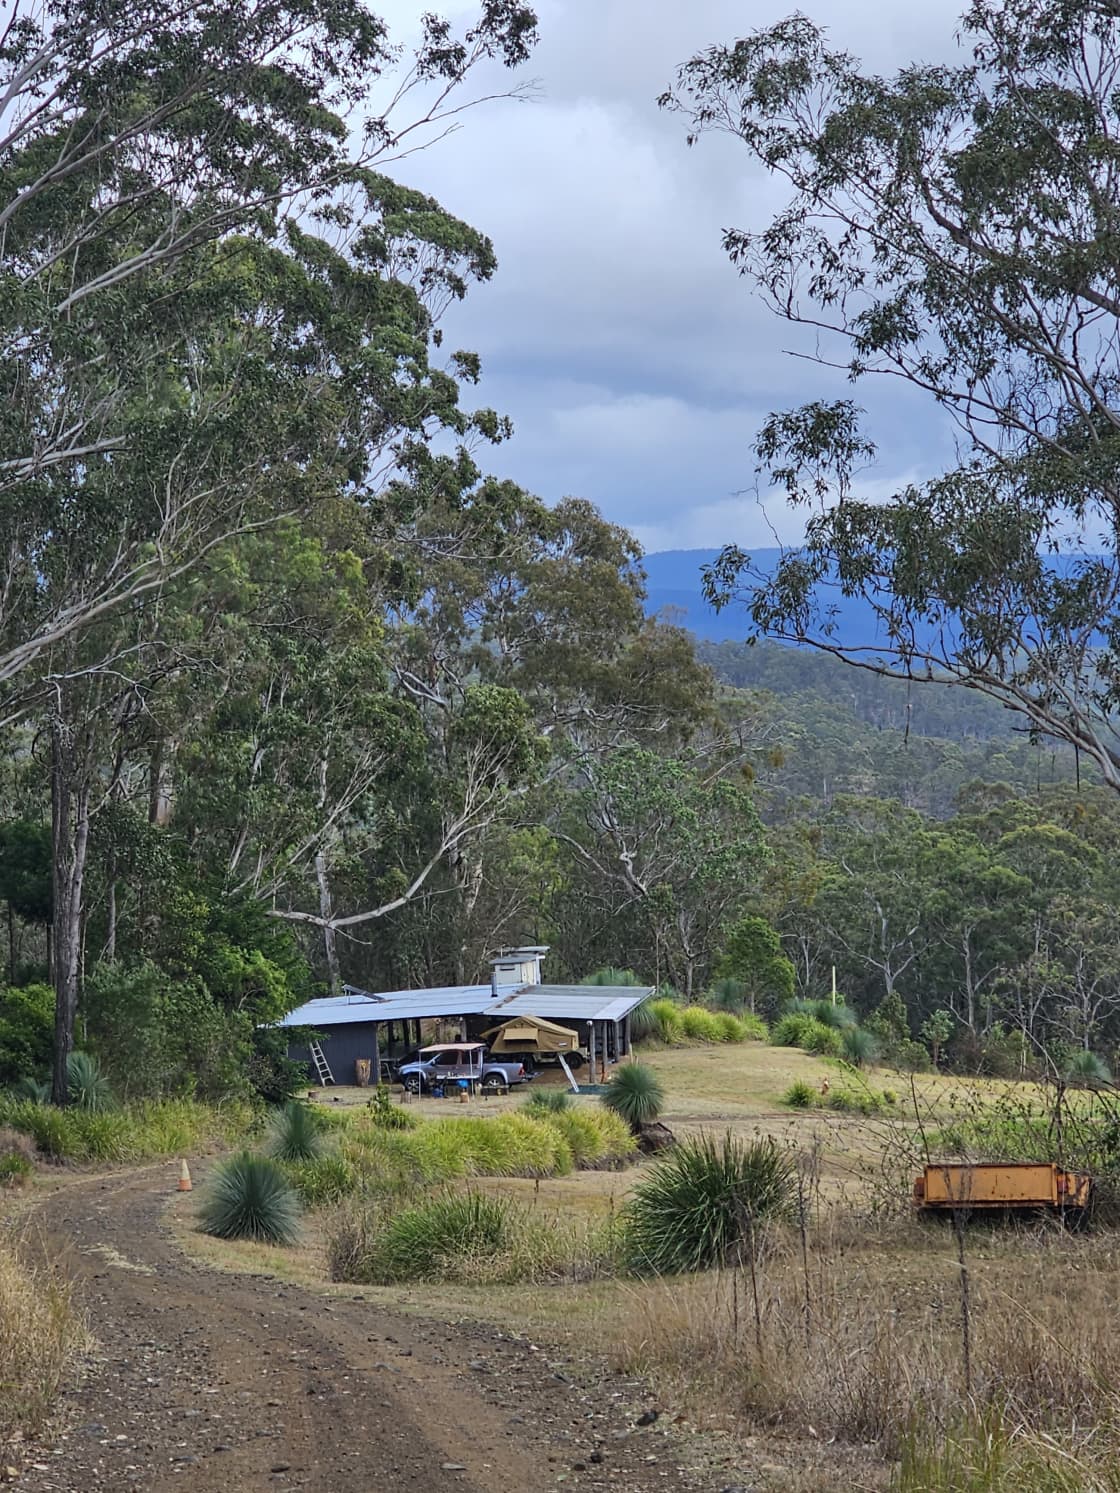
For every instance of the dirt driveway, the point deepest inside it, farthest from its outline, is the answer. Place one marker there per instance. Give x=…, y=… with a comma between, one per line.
x=208, y=1381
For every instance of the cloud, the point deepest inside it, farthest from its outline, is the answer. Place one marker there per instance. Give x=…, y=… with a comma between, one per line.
x=634, y=361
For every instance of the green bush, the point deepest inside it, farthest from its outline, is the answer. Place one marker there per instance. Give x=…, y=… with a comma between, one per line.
x=293, y=1133
x=800, y=1095
x=643, y=1022
x=88, y=1086
x=421, y=1242
x=829, y=1013
x=595, y=1136
x=32, y=1089
x=250, y=1197
x=701, y=1202
x=854, y=1101
x=138, y=1132
x=383, y=1112
x=728, y=994
x=635, y=1094
x=859, y=1047
x=667, y=1014
x=14, y=1169
x=543, y=1102
x=700, y=1025
x=26, y=1031
x=799, y=1029
x=612, y=976
x=1087, y=1070
x=322, y=1180
x=752, y=1027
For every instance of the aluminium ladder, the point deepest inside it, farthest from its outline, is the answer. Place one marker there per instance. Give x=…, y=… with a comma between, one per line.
x=322, y=1067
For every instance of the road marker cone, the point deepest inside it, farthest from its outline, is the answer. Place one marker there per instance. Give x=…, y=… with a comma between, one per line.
x=184, y=1177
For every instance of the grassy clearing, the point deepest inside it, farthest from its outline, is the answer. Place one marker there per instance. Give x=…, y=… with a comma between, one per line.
x=41, y=1335
x=144, y=1131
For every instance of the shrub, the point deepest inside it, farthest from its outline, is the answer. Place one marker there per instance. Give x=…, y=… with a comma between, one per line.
x=799, y=1029
x=389, y=1116
x=635, y=1094
x=854, y=1101
x=511, y=1145
x=701, y=1202
x=700, y=1025
x=728, y=995
x=31, y=1089
x=543, y=1102
x=643, y=1022
x=752, y=1027
x=139, y=1132
x=250, y=1197
x=419, y=1243
x=26, y=1031
x=667, y=1014
x=322, y=1180
x=15, y=1168
x=612, y=976
x=294, y=1134
x=832, y=1014
x=730, y=1028
x=859, y=1047
x=88, y=1086
x=800, y=1095
x=1087, y=1070
x=595, y=1136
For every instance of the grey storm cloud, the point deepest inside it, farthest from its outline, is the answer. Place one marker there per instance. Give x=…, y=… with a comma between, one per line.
x=635, y=363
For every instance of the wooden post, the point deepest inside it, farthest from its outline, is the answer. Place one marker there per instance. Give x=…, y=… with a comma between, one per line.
x=626, y=1034
x=591, y=1050
x=376, y=1053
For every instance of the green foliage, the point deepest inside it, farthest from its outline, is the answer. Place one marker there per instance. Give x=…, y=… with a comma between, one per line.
x=1088, y=1070
x=635, y=1094
x=381, y=1111
x=544, y=1102
x=728, y=994
x=700, y=1025
x=323, y=1180
x=799, y=1029
x=702, y=1203
x=26, y=1031
x=25, y=869
x=14, y=1168
x=143, y=1131
x=800, y=1095
x=859, y=1046
x=424, y=1241
x=612, y=976
x=31, y=1090
x=667, y=1014
x=752, y=956
x=294, y=1134
x=89, y=1087
x=827, y=1012
x=250, y=1197
x=643, y=1022
x=751, y=1028
x=596, y=1137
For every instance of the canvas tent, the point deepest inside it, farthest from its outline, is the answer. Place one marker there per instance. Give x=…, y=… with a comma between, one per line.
x=531, y=1034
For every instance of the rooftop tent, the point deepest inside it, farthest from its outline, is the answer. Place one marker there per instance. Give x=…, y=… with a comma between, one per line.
x=531, y=1034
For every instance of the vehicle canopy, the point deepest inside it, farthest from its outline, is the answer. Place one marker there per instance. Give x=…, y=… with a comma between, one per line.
x=464, y=1047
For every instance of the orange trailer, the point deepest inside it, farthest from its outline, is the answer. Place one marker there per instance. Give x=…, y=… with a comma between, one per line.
x=1000, y=1184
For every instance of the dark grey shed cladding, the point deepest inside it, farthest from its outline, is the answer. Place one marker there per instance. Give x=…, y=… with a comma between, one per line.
x=343, y=1046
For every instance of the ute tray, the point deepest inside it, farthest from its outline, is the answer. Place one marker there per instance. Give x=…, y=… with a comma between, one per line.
x=1000, y=1184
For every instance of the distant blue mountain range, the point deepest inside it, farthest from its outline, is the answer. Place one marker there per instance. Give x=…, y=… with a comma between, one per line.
x=674, y=580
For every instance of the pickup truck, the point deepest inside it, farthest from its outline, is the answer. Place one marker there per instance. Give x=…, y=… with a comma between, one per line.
x=446, y=1065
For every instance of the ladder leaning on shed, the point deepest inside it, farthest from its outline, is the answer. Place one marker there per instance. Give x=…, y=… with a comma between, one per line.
x=322, y=1067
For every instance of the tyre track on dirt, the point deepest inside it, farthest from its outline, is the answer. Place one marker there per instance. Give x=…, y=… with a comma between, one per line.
x=214, y=1382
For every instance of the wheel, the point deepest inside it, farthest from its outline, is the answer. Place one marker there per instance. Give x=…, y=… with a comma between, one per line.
x=493, y=1083
x=575, y=1059
x=413, y=1083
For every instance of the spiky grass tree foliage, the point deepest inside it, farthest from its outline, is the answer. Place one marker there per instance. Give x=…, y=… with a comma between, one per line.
x=31, y=1089
x=1087, y=1069
x=418, y=1242
x=250, y=1197
x=612, y=976
x=837, y=1016
x=643, y=1021
x=858, y=1046
x=89, y=1088
x=728, y=995
x=635, y=1093
x=294, y=1134
x=547, y=1102
x=703, y=1203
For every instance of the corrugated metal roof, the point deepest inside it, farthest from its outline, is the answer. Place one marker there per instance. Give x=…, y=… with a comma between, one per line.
x=567, y=1002
x=392, y=1005
x=570, y=1002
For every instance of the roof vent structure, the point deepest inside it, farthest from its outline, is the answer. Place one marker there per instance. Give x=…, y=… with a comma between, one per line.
x=512, y=968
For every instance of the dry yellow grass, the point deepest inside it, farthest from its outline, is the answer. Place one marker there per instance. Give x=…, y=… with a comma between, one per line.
x=41, y=1335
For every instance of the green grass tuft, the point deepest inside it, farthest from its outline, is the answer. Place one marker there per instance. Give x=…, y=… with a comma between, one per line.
x=800, y=1095
x=635, y=1093
x=701, y=1203
x=294, y=1133
x=250, y=1197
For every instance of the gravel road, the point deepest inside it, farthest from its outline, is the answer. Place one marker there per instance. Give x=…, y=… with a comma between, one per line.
x=208, y=1381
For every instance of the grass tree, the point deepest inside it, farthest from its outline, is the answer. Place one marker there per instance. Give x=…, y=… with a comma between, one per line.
x=635, y=1093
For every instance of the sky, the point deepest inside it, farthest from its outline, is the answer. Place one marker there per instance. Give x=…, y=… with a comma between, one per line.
x=635, y=363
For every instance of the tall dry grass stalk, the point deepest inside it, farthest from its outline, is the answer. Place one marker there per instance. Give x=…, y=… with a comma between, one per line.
x=883, y=1342
x=41, y=1336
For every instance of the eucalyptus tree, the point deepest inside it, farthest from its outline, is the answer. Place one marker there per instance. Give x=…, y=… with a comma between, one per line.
x=954, y=228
